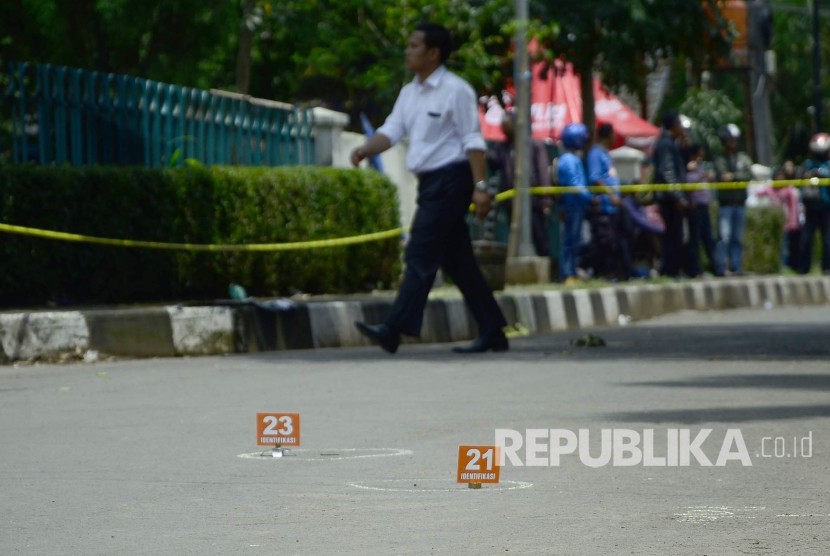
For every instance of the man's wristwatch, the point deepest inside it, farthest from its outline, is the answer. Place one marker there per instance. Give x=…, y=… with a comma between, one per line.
x=481, y=186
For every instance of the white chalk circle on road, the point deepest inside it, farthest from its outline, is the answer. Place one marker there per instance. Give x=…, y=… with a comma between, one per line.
x=434, y=485
x=333, y=454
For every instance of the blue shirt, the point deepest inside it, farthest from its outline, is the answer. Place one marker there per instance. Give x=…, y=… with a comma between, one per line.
x=599, y=165
x=571, y=173
x=821, y=170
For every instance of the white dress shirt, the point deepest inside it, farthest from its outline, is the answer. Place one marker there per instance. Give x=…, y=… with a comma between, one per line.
x=440, y=116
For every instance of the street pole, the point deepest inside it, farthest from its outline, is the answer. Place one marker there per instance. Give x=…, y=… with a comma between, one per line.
x=816, y=66
x=759, y=76
x=520, y=243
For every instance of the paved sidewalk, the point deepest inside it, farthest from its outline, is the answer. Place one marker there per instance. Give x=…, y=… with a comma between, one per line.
x=327, y=321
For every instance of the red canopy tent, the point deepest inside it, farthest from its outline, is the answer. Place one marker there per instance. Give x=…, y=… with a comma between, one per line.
x=555, y=101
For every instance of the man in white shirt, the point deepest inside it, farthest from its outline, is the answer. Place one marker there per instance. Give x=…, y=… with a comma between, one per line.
x=438, y=111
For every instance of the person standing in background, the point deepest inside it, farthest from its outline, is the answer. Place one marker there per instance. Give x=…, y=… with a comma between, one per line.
x=816, y=201
x=788, y=198
x=571, y=173
x=732, y=166
x=700, y=220
x=610, y=254
x=669, y=169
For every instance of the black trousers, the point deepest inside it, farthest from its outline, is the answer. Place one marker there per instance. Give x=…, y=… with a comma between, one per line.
x=439, y=238
x=672, y=241
x=700, y=233
x=609, y=252
x=816, y=217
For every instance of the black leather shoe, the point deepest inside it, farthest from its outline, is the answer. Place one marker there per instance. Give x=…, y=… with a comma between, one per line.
x=381, y=335
x=494, y=342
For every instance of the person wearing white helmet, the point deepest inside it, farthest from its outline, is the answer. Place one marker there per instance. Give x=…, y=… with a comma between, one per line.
x=732, y=166
x=571, y=173
x=820, y=144
x=816, y=202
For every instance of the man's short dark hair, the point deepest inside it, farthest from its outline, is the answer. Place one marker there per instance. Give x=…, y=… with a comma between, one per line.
x=436, y=36
x=604, y=131
x=670, y=117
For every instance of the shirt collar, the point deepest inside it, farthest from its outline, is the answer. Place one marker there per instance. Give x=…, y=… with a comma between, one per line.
x=434, y=78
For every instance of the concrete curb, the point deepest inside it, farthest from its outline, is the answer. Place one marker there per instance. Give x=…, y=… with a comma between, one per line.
x=213, y=330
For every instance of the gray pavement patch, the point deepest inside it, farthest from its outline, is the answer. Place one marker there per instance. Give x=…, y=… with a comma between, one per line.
x=708, y=514
x=434, y=485
x=329, y=454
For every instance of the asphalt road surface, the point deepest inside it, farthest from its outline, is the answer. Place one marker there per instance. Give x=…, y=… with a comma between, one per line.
x=161, y=456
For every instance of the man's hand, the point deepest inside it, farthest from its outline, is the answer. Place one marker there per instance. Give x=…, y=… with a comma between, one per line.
x=376, y=144
x=358, y=155
x=482, y=201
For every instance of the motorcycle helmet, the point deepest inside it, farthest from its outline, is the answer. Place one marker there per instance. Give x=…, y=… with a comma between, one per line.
x=820, y=143
x=729, y=131
x=575, y=136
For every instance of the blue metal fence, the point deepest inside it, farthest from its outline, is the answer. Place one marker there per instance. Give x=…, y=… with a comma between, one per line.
x=68, y=115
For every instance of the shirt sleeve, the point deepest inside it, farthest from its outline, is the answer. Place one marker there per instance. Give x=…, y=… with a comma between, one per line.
x=465, y=109
x=665, y=164
x=394, y=128
x=593, y=165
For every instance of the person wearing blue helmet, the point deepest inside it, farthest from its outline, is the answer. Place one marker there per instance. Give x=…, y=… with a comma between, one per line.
x=571, y=173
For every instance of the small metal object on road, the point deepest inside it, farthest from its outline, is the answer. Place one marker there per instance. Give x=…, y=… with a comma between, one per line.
x=588, y=340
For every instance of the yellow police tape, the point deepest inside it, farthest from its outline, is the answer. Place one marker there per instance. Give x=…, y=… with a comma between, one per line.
x=377, y=236
x=653, y=187
x=316, y=244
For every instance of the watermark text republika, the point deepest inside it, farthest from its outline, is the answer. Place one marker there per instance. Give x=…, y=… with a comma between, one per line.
x=677, y=447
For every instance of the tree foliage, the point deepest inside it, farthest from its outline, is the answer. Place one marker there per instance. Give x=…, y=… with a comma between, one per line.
x=349, y=54
x=346, y=54
x=709, y=110
x=125, y=36
x=622, y=39
x=792, y=95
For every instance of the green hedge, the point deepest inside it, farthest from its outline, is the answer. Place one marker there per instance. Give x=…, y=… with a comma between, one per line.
x=191, y=205
x=763, y=239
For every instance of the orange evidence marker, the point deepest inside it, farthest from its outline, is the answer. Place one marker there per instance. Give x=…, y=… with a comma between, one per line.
x=477, y=465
